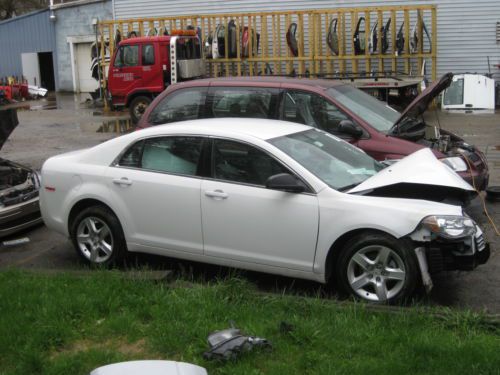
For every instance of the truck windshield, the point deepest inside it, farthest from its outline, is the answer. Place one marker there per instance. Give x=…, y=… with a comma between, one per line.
x=375, y=112
x=188, y=48
x=334, y=161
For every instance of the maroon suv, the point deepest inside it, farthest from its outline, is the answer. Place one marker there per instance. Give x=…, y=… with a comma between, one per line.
x=335, y=107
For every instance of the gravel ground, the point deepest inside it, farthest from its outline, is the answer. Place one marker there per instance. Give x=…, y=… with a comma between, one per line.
x=56, y=125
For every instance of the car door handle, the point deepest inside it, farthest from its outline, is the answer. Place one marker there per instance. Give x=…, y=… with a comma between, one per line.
x=137, y=77
x=218, y=194
x=122, y=181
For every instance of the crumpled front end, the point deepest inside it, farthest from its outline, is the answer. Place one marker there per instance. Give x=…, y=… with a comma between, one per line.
x=447, y=243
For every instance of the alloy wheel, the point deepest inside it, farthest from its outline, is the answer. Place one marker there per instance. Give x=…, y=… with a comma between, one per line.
x=376, y=273
x=95, y=239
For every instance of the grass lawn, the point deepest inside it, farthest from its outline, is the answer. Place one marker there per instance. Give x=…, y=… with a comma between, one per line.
x=70, y=325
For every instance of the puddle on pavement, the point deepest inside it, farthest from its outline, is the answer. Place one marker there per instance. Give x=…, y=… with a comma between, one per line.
x=119, y=126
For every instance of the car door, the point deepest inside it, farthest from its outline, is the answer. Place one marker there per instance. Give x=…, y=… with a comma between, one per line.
x=314, y=110
x=156, y=191
x=244, y=221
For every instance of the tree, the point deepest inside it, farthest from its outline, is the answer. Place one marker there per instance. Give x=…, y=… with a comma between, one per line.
x=12, y=8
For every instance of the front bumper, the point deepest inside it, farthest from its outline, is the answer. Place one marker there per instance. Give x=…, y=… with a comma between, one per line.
x=464, y=254
x=20, y=216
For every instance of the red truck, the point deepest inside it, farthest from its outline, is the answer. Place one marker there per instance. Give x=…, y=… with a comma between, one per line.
x=142, y=67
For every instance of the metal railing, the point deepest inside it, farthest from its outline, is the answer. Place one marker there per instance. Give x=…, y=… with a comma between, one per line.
x=268, y=50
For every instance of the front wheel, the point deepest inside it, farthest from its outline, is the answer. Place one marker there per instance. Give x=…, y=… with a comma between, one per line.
x=138, y=106
x=98, y=237
x=378, y=268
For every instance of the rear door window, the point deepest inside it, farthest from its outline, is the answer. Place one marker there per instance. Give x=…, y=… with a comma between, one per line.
x=181, y=105
x=176, y=155
x=250, y=102
x=454, y=95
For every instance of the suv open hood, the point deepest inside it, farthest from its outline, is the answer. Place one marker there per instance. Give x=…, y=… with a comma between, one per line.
x=420, y=104
x=8, y=122
x=418, y=176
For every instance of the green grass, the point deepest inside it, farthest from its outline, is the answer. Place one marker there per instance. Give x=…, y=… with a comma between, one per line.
x=70, y=325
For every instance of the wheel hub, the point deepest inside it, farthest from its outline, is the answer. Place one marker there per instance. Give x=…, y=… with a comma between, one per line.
x=376, y=273
x=95, y=240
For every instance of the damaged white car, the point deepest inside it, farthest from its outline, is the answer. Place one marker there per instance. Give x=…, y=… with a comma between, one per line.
x=19, y=186
x=268, y=196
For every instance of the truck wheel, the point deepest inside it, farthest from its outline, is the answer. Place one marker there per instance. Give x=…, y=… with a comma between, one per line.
x=378, y=268
x=138, y=107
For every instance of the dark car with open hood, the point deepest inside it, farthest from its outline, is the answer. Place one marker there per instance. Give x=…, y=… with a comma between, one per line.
x=336, y=107
x=19, y=186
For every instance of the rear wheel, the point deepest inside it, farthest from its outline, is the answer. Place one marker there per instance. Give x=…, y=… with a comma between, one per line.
x=98, y=236
x=377, y=268
x=138, y=106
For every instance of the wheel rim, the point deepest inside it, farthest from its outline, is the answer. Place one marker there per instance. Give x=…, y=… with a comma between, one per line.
x=140, y=108
x=376, y=273
x=94, y=239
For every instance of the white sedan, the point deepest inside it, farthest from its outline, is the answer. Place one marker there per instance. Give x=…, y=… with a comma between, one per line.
x=268, y=196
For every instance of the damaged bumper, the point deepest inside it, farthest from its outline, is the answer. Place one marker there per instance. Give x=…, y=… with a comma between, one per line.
x=465, y=254
x=437, y=253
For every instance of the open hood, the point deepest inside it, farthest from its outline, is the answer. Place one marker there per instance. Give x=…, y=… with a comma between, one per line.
x=8, y=122
x=420, y=104
x=418, y=176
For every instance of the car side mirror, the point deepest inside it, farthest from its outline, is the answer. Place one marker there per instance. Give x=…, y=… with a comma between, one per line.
x=285, y=182
x=348, y=127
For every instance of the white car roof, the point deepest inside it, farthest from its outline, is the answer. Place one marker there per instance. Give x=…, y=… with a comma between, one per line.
x=259, y=128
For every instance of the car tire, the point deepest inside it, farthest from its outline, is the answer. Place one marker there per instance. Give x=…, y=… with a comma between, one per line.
x=97, y=236
x=138, y=106
x=378, y=268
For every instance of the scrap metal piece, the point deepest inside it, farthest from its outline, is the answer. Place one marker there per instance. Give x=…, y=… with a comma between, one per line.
x=424, y=270
x=229, y=343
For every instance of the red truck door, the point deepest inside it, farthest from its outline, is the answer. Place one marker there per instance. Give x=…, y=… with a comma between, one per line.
x=152, y=72
x=135, y=67
x=125, y=73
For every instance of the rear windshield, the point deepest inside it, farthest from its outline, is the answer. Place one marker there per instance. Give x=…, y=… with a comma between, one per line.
x=188, y=48
x=454, y=95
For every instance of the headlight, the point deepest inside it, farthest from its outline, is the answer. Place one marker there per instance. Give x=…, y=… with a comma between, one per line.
x=450, y=226
x=456, y=163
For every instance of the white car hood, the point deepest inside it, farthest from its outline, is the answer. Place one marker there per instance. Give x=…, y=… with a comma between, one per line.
x=150, y=368
x=421, y=168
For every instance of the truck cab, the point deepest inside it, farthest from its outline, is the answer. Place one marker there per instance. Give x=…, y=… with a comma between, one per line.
x=142, y=67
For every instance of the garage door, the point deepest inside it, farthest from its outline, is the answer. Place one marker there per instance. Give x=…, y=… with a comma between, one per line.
x=83, y=62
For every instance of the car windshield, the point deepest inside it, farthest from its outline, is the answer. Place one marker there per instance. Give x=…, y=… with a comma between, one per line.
x=334, y=161
x=375, y=112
